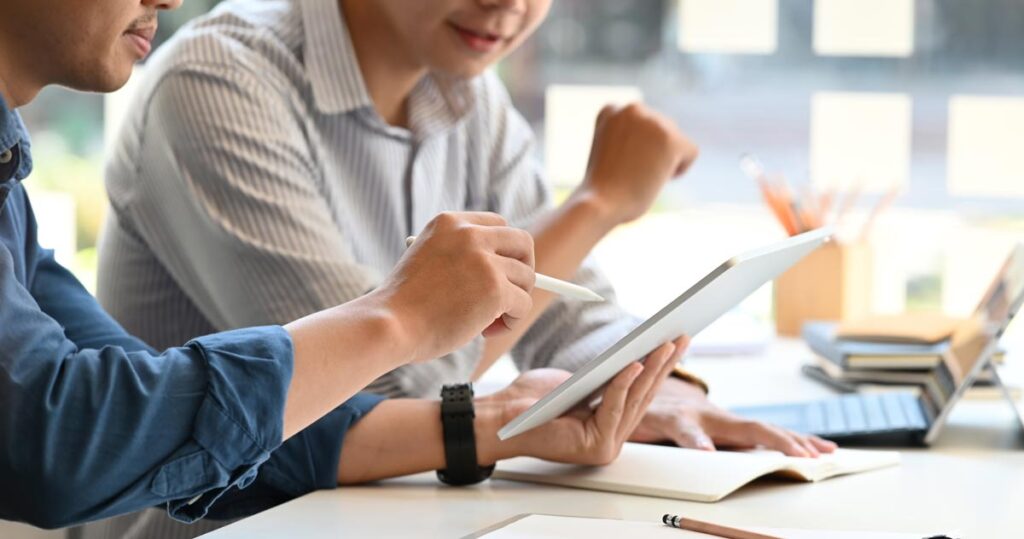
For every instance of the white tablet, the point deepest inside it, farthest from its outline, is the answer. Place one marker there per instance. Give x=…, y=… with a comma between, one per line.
x=694, y=310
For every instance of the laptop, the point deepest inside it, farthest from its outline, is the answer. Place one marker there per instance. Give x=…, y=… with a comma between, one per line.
x=906, y=417
x=688, y=314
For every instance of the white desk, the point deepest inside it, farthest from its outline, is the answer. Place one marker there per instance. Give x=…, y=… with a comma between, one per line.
x=970, y=483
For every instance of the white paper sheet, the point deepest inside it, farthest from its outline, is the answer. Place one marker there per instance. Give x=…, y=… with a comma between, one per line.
x=728, y=26
x=864, y=27
x=545, y=526
x=986, y=135
x=569, y=115
x=860, y=138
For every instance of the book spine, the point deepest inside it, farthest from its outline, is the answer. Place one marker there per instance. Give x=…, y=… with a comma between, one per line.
x=820, y=341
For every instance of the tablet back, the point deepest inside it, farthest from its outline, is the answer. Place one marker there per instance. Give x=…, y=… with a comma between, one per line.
x=691, y=312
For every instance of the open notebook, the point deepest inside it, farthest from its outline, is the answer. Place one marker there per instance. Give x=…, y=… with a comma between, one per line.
x=548, y=526
x=700, y=476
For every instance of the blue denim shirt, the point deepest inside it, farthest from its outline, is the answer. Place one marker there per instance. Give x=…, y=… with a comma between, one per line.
x=94, y=423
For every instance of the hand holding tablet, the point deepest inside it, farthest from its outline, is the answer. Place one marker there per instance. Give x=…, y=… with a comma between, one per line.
x=688, y=314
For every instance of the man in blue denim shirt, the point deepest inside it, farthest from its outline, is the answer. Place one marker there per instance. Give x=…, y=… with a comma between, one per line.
x=94, y=423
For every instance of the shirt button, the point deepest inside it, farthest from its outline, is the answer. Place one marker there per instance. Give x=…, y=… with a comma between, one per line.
x=6, y=157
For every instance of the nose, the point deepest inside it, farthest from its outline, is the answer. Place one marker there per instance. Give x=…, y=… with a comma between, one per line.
x=505, y=5
x=163, y=5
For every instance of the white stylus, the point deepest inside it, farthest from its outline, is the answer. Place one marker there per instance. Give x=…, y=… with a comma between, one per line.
x=551, y=284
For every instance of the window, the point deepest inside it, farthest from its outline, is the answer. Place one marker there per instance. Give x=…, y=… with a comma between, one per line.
x=927, y=93
x=923, y=93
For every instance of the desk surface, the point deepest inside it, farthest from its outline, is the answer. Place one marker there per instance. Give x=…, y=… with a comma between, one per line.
x=970, y=483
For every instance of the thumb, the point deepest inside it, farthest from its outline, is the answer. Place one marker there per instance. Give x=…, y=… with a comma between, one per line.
x=688, y=154
x=606, y=111
x=498, y=327
x=693, y=437
x=602, y=117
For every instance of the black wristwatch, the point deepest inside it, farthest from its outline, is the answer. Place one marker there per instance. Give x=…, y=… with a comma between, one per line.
x=462, y=467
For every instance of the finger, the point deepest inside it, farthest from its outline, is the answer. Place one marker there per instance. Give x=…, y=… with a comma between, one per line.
x=516, y=304
x=805, y=442
x=606, y=112
x=518, y=273
x=482, y=218
x=663, y=373
x=498, y=327
x=688, y=154
x=659, y=379
x=682, y=344
x=666, y=370
x=825, y=446
x=779, y=440
x=654, y=366
x=641, y=392
x=613, y=403
x=748, y=434
x=514, y=243
x=693, y=437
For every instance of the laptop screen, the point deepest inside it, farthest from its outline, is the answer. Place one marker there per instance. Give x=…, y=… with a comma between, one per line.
x=977, y=337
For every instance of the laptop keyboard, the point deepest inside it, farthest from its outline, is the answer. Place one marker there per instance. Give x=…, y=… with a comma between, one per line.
x=866, y=412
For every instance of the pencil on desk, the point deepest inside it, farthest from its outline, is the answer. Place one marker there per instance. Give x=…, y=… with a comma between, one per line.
x=712, y=529
x=551, y=284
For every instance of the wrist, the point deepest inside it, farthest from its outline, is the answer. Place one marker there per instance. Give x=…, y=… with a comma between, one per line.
x=491, y=415
x=595, y=208
x=390, y=325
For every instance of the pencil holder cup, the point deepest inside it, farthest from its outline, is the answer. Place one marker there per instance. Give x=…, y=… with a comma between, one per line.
x=832, y=283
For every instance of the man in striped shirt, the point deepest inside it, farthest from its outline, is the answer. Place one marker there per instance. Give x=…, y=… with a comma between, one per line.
x=293, y=145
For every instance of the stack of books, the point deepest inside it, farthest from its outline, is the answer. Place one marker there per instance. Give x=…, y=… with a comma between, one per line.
x=851, y=360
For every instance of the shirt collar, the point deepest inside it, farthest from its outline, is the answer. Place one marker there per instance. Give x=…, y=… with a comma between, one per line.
x=338, y=86
x=14, y=137
x=331, y=63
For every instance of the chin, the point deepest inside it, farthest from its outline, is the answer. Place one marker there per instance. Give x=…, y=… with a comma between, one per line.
x=103, y=79
x=464, y=70
x=114, y=80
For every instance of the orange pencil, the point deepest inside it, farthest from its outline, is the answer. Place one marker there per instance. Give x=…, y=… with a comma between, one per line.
x=712, y=529
x=825, y=204
x=777, y=206
x=790, y=206
x=751, y=166
x=879, y=208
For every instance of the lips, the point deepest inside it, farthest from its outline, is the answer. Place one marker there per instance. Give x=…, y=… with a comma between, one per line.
x=477, y=40
x=141, y=38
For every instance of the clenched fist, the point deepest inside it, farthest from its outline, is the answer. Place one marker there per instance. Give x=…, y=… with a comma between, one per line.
x=635, y=152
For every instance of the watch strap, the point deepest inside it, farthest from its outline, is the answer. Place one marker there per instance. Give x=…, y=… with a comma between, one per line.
x=457, y=414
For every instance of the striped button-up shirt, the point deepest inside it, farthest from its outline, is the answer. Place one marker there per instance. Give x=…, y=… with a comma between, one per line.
x=253, y=182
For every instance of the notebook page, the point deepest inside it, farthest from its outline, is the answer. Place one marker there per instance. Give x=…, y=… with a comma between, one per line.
x=552, y=527
x=688, y=474
x=842, y=462
x=653, y=470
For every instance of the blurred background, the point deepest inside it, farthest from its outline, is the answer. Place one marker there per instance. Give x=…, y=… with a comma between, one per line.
x=864, y=99
x=852, y=97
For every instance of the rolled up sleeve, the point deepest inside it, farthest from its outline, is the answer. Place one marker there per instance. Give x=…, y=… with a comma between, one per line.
x=87, y=433
x=305, y=462
x=239, y=422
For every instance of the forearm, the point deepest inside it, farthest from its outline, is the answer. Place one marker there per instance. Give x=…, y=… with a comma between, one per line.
x=338, y=352
x=562, y=240
x=404, y=436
